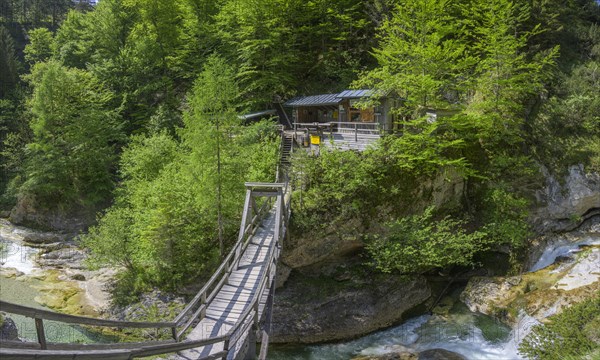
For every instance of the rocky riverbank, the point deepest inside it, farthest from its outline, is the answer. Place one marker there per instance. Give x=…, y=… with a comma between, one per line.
x=404, y=354
x=318, y=309
x=566, y=272
x=55, y=261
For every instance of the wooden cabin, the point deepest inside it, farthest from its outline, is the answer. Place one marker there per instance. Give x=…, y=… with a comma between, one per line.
x=341, y=118
x=342, y=112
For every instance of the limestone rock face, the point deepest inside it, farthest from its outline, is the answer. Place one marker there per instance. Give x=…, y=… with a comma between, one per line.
x=565, y=204
x=28, y=213
x=319, y=297
x=311, y=310
x=538, y=294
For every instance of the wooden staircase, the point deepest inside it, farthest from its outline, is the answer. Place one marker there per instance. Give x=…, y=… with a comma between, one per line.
x=287, y=145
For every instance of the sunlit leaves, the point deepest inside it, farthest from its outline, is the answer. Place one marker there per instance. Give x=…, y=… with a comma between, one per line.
x=71, y=158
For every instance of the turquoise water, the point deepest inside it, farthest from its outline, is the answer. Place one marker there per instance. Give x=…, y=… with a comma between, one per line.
x=472, y=335
x=22, y=291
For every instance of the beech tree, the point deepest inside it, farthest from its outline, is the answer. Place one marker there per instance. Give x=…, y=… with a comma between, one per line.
x=71, y=158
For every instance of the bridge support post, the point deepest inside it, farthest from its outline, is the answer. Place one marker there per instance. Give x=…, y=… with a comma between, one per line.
x=41, y=336
x=251, y=353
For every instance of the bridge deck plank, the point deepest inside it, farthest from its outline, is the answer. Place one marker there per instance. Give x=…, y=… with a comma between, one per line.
x=224, y=311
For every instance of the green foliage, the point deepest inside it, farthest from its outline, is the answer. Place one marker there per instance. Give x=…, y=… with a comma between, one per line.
x=505, y=216
x=40, y=46
x=420, y=242
x=567, y=130
x=179, y=198
x=571, y=334
x=426, y=146
x=337, y=187
x=506, y=76
x=285, y=46
x=35, y=13
x=421, y=56
x=71, y=157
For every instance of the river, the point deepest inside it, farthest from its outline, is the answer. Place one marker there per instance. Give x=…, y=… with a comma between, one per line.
x=472, y=335
x=23, y=290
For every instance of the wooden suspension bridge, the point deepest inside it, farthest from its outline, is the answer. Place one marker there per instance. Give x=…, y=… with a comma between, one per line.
x=226, y=319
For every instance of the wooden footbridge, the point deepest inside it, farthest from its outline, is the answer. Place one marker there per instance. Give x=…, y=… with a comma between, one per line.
x=225, y=319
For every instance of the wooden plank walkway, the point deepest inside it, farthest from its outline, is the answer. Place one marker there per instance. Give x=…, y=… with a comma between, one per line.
x=234, y=298
x=224, y=320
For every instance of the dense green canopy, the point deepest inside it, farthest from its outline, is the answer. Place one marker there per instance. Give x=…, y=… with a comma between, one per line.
x=130, y=108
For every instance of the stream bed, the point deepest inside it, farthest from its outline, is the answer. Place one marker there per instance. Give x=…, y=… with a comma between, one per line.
x=472, y=335
x=20, y=283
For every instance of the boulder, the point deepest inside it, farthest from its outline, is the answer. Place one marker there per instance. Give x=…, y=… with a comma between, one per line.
x=390, y=356
x=37, y=238
x=538, y=294
x=440, y=354
x=155, y=304
x=28, y=212
x=319, y=309
x=8, y=329
x=407, y=354
x=68, y=257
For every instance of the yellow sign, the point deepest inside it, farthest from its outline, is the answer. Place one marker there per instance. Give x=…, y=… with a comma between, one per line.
x=315, y=139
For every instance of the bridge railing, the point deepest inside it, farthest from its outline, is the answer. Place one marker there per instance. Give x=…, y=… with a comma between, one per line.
x=250, y=318
x=196, y=308
x=220, y=276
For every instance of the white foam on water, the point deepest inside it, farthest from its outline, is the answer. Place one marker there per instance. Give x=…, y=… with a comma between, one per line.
x=458, y=332
x=550, y=254
x=18, y=256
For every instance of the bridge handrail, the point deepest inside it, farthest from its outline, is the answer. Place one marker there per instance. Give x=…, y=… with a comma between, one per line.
x=281, y=190
x=252, y=309
x=75, y=319
x=225, y=264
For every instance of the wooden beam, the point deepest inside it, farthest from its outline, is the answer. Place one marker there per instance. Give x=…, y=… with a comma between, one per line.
x=72, y=319
x=264, y=185
x=41, y=336
x=18, y=354
x=265, y=193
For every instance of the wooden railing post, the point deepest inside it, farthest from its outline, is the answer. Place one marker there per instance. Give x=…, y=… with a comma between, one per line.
x=251, y=353
x=225, y=348
x=41, y=336
x=203, y=303
x=356, y=132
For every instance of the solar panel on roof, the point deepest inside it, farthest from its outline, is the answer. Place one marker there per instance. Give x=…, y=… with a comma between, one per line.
x=314, y=100
x=354, y=94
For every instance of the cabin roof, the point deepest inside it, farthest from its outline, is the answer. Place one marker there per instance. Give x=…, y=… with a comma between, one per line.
x=314, y=100
x=332, y=99
x=355, y=94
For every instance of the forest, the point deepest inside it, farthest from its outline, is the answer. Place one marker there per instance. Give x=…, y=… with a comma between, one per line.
x=129, y=111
